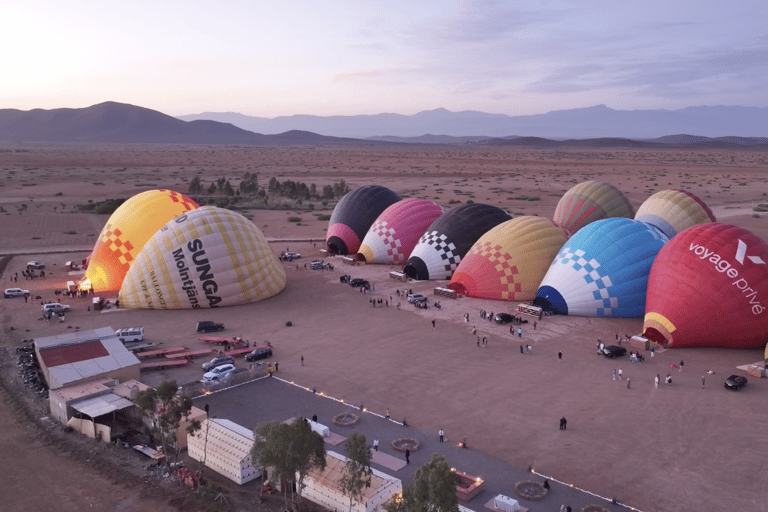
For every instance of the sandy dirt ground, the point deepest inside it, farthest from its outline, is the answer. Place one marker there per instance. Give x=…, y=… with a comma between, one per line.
x=677, y=448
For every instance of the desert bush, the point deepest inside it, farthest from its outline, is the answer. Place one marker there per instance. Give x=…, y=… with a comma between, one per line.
x=762, y=207
x=322, y=216
x=294, y=219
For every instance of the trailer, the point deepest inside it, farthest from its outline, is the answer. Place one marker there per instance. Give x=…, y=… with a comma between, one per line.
x=238, y=351
x=189, y=355
x=138, y=347
x=219, y=340
x=159, y=353
x=162, y=365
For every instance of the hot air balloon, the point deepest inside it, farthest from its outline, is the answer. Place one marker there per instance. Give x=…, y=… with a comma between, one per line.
x=353, y=216
x=447, y=240
x=397, y=230
x=510, y=260
x=709, y=288
x=209, y=257
x=673, y=211
x=588, y=202
x=126, y=232
x=602, y=270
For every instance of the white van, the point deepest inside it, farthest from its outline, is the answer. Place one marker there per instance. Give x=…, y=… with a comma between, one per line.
x=130, y=334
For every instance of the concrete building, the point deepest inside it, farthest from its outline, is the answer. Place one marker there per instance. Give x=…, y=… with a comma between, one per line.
x=322, y=487
x=225, y=447
x=83, y=356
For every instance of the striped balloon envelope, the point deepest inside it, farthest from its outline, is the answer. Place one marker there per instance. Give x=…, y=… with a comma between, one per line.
x=209, y=257
x=510, y=260
x=126, y=232
x=590, y=201
x=602, y=270
x=673, y=211
x=397, y=230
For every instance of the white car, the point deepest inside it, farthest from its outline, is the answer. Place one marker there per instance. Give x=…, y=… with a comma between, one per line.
x=416, y=297
x=55, y=307
x=15, y=292
x=35, y=265
x=218, y=373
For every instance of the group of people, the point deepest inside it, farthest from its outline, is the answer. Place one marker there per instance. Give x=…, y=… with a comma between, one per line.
x=636, y=357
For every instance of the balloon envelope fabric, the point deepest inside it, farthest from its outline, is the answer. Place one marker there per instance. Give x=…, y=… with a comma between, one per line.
x=126, y=232
x=673, y=211
x=353, y=216
x=602, y=270
x=209, y=257
x=708, y=287
x=590, y=201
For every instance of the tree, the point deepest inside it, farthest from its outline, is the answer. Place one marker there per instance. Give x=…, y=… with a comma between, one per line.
x=433, y=489
x=357, y=472
x=166, y=409
x=195, y=186
x=292, y=450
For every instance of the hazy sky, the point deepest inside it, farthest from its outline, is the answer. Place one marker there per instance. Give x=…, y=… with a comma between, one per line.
x=351, y=57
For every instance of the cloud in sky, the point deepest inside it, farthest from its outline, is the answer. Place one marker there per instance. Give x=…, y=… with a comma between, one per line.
x=363, y=57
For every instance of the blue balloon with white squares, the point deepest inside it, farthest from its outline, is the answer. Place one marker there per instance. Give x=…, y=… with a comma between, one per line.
x=602, y=270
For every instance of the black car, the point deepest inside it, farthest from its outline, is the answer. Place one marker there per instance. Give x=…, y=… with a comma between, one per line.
x=614, y=351
x=207, y=326
x=503, y=318
x=259, y=353
x=735, y=382
x=357, y=282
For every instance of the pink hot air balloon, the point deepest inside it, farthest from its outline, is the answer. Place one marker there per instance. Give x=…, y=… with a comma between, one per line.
x=397, y=230
x=708, y=287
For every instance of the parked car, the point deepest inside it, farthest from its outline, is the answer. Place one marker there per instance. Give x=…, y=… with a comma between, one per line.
x=614, y=351
x=358, y=282
x=15, y=292
x=316, y=265
x=55, y=307
x=35, y=265
x=208, y=326
x=413, y=298
x=218, y=373
x=258, y=353
x=130, y=334
x=503, y=318
x=290, y=256
x=735, y=382
x=218, y=361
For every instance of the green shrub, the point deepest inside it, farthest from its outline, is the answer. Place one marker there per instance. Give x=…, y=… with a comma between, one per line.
x=294, y=219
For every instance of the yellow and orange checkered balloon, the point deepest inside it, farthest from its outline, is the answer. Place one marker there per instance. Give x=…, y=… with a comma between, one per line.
x=126, y=232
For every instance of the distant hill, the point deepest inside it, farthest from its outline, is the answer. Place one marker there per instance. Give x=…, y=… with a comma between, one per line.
x=592, y=122
x=112, y=122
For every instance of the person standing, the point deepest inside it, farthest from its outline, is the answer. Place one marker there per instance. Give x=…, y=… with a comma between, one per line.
x=474, y=330
x=565, y=423
x=519, y=332
x=386, y=416
x=433, y=324
x=302, y=359
x=277, y=366
x=628, y=380
x=702, y=382
x=559, y=357
x=534, y=325
x=615, y=374
x=441, y=435
x=376, y=444
x=407, y=456
x=681, y=366
x=621, y=372
x=656, y=380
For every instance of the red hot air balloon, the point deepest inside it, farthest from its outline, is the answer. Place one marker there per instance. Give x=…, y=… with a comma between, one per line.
x=708, y=287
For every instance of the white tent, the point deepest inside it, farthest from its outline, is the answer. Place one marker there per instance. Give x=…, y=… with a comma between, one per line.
x=225, y=447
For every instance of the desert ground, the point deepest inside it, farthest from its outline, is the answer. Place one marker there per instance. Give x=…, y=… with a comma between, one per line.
x=677, y=448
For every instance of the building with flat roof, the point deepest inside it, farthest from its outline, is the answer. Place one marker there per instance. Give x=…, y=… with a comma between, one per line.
x=83, y=356
x=225, y=447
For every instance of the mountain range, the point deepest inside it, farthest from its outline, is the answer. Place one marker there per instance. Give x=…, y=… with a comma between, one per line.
x=592, y=122
x=112, y=122
x=120, y=123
